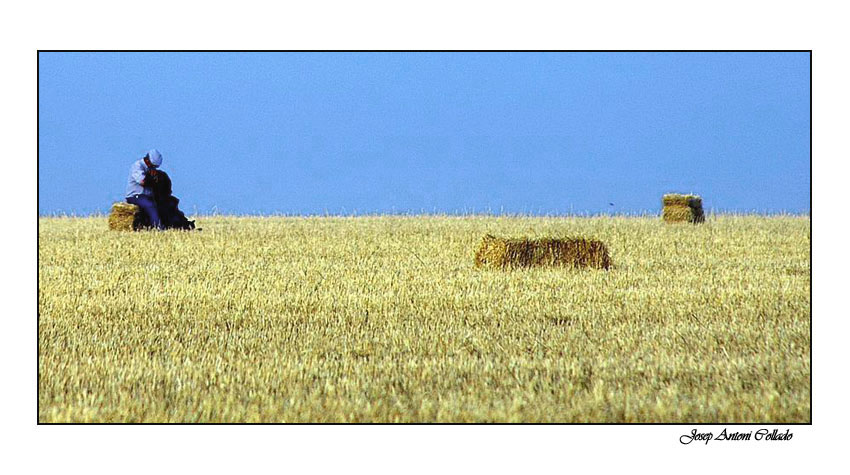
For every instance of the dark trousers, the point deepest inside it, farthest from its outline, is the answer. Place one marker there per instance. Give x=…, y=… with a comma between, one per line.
x=147, y=204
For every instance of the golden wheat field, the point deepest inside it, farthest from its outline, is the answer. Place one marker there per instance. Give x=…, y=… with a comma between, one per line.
x=386, y=319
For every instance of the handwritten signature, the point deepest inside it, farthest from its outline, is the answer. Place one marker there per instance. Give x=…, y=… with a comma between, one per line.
x=761, y=434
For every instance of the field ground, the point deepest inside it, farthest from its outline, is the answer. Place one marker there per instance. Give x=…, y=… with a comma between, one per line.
x=385, y=319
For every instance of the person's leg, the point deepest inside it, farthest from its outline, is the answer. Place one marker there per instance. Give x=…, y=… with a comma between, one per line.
x=149, y=206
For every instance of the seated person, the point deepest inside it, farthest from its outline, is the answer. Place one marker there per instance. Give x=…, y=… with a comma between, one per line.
x=150, y=189
x=138, y=192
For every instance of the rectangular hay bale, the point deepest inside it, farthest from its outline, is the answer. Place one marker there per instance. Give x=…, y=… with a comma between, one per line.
x=124, y=217
x=511, y=253
x=682, y=209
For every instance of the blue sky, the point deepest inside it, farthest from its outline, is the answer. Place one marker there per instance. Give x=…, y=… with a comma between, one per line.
x=346, y=133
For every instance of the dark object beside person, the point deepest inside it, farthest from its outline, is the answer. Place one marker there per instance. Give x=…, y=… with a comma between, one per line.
x=166, y=203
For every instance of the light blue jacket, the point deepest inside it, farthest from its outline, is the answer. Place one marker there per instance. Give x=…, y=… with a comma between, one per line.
x=134, y=181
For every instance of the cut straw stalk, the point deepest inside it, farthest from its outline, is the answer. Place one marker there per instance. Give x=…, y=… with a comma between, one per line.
x=512, y=253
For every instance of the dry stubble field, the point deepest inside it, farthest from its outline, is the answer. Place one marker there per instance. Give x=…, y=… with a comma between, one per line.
x=385, y=319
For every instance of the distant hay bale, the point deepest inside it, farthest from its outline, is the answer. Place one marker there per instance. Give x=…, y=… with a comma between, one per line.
x=509, y=253
x=125, y=217
x=682, y=209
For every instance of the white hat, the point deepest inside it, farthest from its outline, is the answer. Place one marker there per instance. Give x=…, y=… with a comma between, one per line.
x=155, y=157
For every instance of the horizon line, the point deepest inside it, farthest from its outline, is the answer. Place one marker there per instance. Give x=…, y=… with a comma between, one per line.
x=446, y=214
